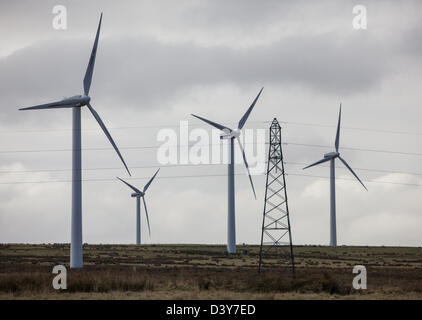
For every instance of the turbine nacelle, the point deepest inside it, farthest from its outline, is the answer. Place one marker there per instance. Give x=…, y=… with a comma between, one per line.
x=78, y=100
x=136, y=195
x=331, y=155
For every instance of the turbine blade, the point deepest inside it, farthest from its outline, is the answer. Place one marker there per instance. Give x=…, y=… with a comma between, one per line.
x=150, y=180
x=130, y=186
x=247, y=166
x=338, y=130
x=351, y=170
x=246, y=115
x=214, y=124
x=146, y=213
x=318, y=162
x=101, y=123
x=51, y=105
x=90, y=67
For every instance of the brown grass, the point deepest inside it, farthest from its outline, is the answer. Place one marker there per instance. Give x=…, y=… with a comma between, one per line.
x=206, y=272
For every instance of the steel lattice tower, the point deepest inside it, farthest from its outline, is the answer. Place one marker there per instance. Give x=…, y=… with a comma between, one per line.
x=276, y=233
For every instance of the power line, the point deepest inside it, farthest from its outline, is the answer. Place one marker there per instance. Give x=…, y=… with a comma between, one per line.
x=92, y=169
x=201, y=176
x=359, y=169
x=354, y=149
x=108, y=179
x=347, y=179
x=396, y=132
x=194, y=165
x=211, y=144
x=84, y=149
x=353, y=128
x=191, y=124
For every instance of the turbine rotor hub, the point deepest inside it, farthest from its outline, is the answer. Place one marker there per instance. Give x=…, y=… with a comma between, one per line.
x=85, y=100
x=236, y=133
x=230, y=134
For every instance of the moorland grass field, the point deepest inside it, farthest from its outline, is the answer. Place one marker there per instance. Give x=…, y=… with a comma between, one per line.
x=207, y=272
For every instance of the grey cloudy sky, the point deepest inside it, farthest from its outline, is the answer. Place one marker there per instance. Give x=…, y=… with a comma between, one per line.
x=159, y=61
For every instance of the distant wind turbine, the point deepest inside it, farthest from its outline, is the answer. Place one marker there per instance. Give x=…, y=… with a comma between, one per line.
x=76, y=102
x=233, y=134
x=138, y=195
x=332, y=156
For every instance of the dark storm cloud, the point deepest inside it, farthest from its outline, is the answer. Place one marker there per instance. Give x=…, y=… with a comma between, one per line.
x=140, y=72
x=324, y=63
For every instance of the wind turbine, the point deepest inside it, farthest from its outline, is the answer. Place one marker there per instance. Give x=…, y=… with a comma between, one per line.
x=232, y=135
x=332, y=156
x=76, y=102
x=138, y=195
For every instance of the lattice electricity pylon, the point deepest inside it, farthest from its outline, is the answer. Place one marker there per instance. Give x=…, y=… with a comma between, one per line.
x=276, y=232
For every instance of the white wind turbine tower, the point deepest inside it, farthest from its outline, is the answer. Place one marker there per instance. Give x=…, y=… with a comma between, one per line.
x=231, y=134
x=138, y=195
x=332, y=156
x=75, y=103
